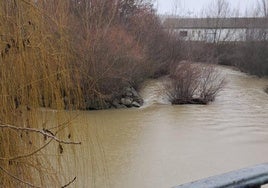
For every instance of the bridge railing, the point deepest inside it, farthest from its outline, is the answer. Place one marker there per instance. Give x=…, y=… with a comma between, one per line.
x=251, y=177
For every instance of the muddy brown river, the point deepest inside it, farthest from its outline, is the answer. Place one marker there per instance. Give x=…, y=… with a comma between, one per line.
x=160, y=145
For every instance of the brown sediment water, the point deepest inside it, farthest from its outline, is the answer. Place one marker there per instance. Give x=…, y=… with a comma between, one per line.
x=160, y=145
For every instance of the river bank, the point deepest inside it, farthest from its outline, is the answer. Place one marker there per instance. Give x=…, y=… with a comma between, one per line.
x=187, y=83
x=193, y=83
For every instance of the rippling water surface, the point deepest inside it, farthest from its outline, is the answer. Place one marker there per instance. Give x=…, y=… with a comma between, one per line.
x=161, y=145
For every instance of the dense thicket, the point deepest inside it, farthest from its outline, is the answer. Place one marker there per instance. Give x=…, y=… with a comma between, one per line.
x=249, y=56
x=74, y=54
x=115, y=43
x=101, y=45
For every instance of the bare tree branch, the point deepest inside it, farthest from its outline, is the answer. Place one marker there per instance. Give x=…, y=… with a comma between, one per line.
x=69, y=183
x=64, y=123
x=44, y=132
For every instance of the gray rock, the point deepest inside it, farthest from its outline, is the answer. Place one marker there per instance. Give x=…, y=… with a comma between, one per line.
x=128, y=94
x=126, y=101
x=128, y=89
x=129, y=98
x=131, y=92
x=135, y=104
x=135, y=93
x=138, y=100
x=116, y=103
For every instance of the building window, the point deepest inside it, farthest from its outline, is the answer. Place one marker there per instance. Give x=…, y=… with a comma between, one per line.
x=183, y=33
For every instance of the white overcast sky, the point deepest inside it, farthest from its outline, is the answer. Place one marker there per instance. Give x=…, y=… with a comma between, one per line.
x=194, y=7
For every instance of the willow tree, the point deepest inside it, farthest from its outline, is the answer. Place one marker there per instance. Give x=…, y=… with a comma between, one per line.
x=34, y=72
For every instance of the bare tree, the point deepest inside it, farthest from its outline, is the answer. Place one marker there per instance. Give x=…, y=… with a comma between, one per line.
x=219, y=10
x=262, y=8
x=253, y=52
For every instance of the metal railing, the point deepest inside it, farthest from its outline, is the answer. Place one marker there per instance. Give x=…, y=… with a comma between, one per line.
x=251, y=177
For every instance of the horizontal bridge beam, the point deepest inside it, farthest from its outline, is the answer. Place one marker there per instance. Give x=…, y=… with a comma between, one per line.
x=251, y=177
x=213, y=23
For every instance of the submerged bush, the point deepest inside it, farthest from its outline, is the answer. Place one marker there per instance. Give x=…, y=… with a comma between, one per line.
x=194, y=84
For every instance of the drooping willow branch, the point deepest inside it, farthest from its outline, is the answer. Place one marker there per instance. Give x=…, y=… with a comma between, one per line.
x=44, y=132
x=27, y=155
x=18, y=179
x=61, y=126
x=64, y=186
x=29, y=184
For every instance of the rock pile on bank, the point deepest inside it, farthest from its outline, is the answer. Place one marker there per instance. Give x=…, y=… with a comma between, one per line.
x=129, y=98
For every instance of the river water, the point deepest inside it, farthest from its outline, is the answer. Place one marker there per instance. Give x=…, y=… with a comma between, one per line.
x=160, y=145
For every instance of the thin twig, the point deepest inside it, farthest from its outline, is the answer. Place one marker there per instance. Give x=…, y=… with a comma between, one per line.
x=64, y=123
x=43, y=132
x=27, y=155
x=39, y=149
x=69, y=183
x=18, y=179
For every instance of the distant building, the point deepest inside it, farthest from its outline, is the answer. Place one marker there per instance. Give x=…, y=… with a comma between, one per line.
x=218, y=29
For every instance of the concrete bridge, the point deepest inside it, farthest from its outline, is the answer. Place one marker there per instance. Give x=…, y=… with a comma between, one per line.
x=213, y=23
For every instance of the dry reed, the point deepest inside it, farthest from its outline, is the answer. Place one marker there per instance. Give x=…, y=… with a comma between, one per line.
x=34, y=72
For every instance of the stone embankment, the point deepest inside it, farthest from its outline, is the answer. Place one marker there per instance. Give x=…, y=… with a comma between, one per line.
x=129, y=98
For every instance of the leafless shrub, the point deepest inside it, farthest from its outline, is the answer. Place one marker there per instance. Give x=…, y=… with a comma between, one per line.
x=194, y=84
x=211, y=83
